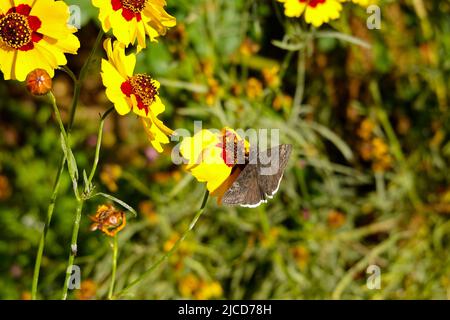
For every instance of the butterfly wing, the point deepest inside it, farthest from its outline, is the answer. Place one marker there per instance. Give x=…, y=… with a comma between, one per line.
x=252, y=186
x=270, y=183
x=245, y=191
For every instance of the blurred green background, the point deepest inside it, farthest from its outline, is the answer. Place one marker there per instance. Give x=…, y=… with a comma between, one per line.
x=368, y=181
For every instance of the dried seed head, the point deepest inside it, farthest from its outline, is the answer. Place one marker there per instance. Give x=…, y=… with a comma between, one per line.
x=39, y=82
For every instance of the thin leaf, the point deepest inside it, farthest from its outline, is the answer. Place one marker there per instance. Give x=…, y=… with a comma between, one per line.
x=118, y=201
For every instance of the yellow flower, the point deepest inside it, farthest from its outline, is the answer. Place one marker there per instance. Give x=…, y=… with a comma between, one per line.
x=134, y=92
x=254, y=88
x=109, y=176
x=212, y=158
x=34, y=35
x=317, y=12
x=132, y=20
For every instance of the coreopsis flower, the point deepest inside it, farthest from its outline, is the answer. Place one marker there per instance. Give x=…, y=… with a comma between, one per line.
x=34, y=34
x=317, y=12
x=132, y=20
x=134, y=92
x=108, y=220
x=215, y=158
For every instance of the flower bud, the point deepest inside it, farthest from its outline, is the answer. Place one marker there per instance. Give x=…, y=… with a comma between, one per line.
x=39, y=82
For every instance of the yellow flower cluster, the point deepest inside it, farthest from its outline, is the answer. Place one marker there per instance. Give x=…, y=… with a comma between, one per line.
x=191, y=286
x=373, y=148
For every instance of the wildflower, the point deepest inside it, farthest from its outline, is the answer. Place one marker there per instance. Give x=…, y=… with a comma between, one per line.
x=26, y=295
x=282, y=101
x=271, y=76
x=366, y=129
x=5, y=188
x=213, y=91
x=191, y=286
x=188, y=285
x=317, y=12
x=147, y=210
x=254, y=88
x=39, y=82
x=208, y=290
x=301, y=256
x=34, y=35
x=248, y=48
x=271, y=238
x=87, y=291
x=134, y=92
x=335, y=219
x=108, y=220
x=212, y=158
x=109, y=176
x=132, y=20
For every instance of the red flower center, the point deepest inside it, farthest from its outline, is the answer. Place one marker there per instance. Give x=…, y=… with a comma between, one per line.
x=134, y=5
x=130, y=8
x=233, y=149
x=18, y=30
x=143, y=88
x=312, y=3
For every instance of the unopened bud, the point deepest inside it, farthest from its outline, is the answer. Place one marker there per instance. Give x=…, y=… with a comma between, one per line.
x=39, y=82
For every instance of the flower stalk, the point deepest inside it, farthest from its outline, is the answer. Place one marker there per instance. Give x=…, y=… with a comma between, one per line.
x=163, y=258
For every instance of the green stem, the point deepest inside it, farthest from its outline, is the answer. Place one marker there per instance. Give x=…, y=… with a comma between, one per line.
x=99, y=144
x=61, y=168
x=300, y=89
x=51, y=207
x=73, y=247
x=144, y=275
x=82, y=76
x=114, y=267
x=80, y=203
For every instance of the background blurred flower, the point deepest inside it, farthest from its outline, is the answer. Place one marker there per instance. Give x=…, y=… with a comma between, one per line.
x=5, y=188
x=87, y=291
x=31, y=38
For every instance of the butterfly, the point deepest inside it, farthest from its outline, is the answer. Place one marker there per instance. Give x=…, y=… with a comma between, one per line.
x=260, y=178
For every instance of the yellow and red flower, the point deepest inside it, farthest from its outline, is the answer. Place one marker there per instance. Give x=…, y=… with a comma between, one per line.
x=34, y=34
x=134, y=92
x=132, y=20
x=317, y=12
x=212, y=158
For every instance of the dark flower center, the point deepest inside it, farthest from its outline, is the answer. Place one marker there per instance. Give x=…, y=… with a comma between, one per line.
x=134, y=5
x=143, y=88
x=15, y=30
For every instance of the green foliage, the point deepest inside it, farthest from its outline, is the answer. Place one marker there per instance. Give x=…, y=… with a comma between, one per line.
x=336, y=213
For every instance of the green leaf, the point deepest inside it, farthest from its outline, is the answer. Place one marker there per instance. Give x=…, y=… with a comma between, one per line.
x=71, y=162
x=118, y=201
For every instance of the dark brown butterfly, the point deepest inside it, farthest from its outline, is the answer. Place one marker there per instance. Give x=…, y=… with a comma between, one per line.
x=260, y=177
